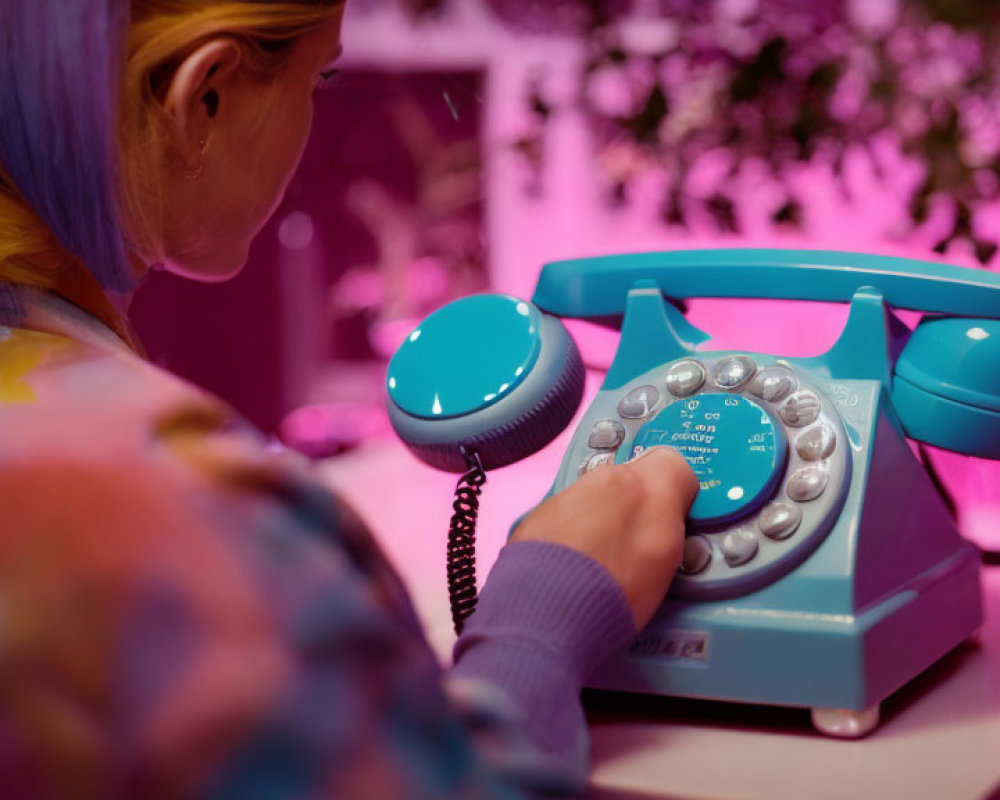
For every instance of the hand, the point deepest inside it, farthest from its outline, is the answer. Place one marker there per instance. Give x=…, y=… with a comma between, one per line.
x=628, y=517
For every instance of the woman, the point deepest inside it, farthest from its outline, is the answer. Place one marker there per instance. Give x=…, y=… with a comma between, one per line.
x=185, y=613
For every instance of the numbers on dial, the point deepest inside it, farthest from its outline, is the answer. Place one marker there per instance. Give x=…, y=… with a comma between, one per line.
x=735, y=448
x=717, y=414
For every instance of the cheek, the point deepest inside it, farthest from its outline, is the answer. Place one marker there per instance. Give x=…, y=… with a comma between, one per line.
x=284, y=148
x=292, y=129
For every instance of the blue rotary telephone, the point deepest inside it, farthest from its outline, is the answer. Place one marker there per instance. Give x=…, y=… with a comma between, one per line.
x=821, y=567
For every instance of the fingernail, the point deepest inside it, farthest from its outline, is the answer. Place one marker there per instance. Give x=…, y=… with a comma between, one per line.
x=649, y=450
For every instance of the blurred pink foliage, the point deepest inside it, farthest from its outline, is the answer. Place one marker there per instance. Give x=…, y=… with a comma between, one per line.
x=744, y=84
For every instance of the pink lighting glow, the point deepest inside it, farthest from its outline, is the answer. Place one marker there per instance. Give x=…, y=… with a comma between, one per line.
x=545, y=185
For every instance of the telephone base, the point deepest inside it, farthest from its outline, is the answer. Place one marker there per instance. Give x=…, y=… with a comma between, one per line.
x=767, y=655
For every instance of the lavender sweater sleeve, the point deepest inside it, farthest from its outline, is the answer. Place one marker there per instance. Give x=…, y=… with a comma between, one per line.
x=546, y=618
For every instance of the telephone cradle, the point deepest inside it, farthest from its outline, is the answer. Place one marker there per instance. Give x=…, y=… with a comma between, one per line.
x=822, y=568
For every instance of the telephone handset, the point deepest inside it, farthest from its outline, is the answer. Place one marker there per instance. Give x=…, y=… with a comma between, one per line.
x=817, y=546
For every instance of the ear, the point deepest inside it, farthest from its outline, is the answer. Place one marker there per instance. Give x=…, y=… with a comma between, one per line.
x=195, y=94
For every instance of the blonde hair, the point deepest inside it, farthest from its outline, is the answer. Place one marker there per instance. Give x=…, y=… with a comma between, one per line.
x=44, y=240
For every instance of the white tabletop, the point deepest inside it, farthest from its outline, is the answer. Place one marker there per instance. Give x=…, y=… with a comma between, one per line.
x=939, y=736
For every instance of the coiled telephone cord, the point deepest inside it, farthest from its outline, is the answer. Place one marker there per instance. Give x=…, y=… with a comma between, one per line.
x=462, y=541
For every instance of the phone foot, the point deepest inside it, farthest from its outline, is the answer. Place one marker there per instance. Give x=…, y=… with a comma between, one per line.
x=845, y=723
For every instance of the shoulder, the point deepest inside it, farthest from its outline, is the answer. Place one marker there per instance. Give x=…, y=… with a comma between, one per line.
x=68, y=406
x=75, y=398
x=115, y=440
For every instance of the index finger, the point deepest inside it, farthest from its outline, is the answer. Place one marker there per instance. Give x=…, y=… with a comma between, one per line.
x=662, y=463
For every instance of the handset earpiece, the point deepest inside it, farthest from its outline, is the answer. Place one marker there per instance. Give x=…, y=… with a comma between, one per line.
x=946, y=385
x=487, y=374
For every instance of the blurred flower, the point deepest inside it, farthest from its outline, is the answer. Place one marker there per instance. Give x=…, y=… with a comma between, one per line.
x=987, y=182
x=851, y=91
x=695, y=102
x=645, y=36
x=610, y=92
x=874, y=17
x=736, y=10
x=621, y=161
x=912, y=119
x=975, y=153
